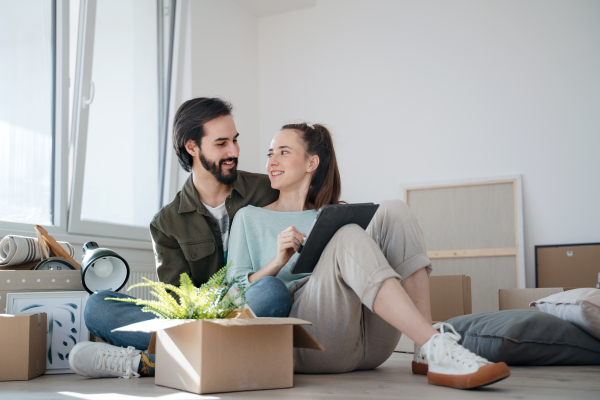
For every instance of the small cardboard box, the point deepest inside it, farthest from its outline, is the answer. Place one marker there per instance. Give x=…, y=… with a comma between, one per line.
x=23, y=339
x=519, y=299
x=226, y=355
x=574, y=265
x=450, y=296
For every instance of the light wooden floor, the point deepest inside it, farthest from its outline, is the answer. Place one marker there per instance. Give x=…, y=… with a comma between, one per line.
x=393, y=380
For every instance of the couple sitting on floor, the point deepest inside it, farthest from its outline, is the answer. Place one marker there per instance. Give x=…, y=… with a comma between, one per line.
x=367, y=288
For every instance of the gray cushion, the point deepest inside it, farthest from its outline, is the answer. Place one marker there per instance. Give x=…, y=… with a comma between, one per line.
x=526, y=337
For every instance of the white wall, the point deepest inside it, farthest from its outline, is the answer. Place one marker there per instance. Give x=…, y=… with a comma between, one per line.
x=419, y=91
x=224, y=63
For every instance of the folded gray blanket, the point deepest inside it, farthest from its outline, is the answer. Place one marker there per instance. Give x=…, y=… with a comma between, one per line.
x=15, y=250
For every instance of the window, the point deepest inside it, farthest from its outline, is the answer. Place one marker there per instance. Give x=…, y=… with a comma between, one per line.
x=106, y=171
x=26, y=111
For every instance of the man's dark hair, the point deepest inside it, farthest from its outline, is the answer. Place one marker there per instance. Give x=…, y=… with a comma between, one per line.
x=189, y=124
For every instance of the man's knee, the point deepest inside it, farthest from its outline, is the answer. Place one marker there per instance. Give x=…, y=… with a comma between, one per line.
x=95, y=303
x=269, y=297
x=272, y=284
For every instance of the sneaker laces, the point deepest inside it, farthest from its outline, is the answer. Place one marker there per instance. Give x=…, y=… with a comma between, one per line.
x=115, y=360
x=444, y=345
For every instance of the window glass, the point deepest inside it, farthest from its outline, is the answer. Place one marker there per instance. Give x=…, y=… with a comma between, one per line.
x=26, y=132
x=122, y=155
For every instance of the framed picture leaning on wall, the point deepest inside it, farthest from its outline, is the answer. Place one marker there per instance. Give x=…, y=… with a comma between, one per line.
x=66, y=326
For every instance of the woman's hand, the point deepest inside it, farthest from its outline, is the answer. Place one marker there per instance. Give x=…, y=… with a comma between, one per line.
x=288, y=242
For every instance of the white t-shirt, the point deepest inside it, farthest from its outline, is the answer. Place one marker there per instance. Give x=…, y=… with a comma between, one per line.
x=220, y=215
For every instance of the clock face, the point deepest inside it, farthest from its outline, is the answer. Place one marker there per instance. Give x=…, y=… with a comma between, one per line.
x=54, y=264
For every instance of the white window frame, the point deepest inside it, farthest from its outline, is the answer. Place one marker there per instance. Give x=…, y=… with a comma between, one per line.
x=82, y=102
x=65, y=227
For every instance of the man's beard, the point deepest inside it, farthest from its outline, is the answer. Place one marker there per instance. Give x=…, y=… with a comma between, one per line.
x=226, y=178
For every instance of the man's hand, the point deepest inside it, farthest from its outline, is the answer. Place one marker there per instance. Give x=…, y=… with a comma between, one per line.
x=288, y=242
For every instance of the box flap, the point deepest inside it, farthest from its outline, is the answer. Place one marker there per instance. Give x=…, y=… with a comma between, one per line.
x=155, y=325
x=305, y=340
x=258, y=321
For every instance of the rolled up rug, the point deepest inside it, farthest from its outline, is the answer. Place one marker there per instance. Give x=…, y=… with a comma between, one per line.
x=16, y=250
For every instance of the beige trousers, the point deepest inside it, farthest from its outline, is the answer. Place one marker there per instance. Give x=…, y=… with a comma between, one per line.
x=338, y=297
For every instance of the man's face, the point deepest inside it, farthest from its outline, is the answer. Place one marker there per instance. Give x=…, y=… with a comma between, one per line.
x=219, y=150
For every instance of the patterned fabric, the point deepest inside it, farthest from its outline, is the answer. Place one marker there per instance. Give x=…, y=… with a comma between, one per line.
x=147, y=364
x=15, y=250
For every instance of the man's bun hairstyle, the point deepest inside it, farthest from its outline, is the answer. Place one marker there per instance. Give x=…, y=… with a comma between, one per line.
x=326, y=184
x=189, y=124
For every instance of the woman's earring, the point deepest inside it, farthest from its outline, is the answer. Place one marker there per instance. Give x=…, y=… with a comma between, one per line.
x=309, y=170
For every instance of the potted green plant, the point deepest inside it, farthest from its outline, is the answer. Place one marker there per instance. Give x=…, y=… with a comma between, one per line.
x=215, y=299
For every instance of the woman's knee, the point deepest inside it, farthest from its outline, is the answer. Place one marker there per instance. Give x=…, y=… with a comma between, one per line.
x=396, y=209
x=350, y=233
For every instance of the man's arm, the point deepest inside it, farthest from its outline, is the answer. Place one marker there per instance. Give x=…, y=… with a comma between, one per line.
x=169, y=258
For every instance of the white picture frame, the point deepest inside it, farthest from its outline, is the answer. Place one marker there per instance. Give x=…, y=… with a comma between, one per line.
x=66, y=325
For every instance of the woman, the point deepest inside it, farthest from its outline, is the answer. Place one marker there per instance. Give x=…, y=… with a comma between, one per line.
x=354, y=297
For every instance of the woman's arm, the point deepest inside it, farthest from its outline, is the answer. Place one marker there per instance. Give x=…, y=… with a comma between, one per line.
x=288, y=242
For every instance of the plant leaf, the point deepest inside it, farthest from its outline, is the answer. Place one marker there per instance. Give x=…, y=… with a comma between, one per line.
x=60, y=356
x=74, y=306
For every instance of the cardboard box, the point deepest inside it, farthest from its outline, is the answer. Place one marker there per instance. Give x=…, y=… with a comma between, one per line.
x=574, y=265
x=450, y=296
x=37, y=281
x=226, y=355
x=519, y=299
x=23, y=339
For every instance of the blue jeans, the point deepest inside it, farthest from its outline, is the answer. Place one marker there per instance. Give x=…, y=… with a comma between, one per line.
x=268, y=297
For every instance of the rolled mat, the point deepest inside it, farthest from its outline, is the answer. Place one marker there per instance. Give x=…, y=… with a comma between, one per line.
x=15, y=250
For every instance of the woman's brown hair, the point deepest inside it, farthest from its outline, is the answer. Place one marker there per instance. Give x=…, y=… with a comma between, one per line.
x=325, y=185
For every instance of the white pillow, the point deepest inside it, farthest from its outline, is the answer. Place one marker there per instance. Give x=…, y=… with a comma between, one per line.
x=581, y=307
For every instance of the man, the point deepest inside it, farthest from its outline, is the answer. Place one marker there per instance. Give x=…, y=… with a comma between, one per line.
x=189, y=235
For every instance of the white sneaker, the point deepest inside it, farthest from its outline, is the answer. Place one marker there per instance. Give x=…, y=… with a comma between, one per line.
x=420, y=363
x=103, y=360
x=450, y=364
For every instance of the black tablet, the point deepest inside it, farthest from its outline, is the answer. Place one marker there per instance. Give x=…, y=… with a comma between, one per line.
x=329, y=219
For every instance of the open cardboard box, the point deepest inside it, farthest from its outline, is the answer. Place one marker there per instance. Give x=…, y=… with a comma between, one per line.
x=240, y=352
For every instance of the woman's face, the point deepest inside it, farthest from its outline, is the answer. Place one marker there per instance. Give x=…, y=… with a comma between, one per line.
x=287, y=163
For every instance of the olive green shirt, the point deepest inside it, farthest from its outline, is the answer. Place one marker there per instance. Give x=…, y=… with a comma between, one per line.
x=185, y=236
